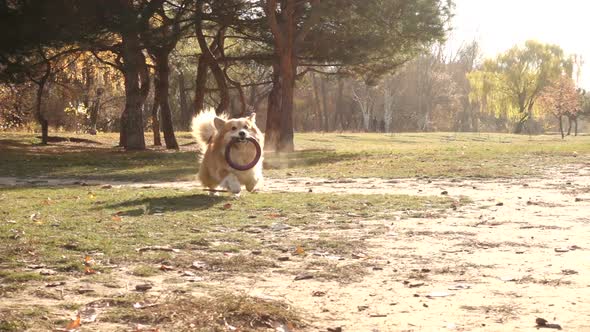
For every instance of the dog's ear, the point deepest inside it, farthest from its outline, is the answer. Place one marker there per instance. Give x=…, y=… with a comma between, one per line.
x=252, y=117
x=219, y=123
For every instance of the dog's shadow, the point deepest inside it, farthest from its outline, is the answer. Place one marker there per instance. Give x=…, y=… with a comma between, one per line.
x=156, y=205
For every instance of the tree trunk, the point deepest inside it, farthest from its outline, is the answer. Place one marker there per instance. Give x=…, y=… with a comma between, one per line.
x=123, y=128
x=94, y=110
x=201, y=83
x=132, y=134
x=39, y=113
x=185, y=111
x=521, y=123
x=156, y=121
x=316, y=103
x=273, y=114
x=38, y=106
x=338, y=116
x=559, y=118
x=285, y=143
x=324, y=94
x=210, y=59
x=474, y=119
x=161, y=88
x=576, y=126
x=569, y=125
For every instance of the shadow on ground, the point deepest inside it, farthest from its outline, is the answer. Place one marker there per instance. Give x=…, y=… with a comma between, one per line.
x=154, y=205
x=308, y=157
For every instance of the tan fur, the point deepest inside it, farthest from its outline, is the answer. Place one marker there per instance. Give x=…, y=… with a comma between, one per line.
x=213, y=134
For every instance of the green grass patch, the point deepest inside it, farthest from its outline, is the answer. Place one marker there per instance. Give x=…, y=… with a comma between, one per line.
x=318, y=155
x=60, y=226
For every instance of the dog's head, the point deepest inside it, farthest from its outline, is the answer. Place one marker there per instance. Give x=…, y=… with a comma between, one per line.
x=240, y=129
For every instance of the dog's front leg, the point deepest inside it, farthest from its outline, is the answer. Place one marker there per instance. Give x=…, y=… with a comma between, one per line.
x=232, y=183
x=253, y=183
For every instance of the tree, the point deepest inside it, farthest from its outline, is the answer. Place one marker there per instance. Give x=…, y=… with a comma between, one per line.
x=367, y=38
x=512, y=83
x=160, y=41
x=561, y=99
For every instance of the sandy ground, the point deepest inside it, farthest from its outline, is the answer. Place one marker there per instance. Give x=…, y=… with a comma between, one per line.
x=519, y=251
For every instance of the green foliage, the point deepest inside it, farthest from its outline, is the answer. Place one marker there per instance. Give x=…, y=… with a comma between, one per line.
x=510, y=84
x=374, y=37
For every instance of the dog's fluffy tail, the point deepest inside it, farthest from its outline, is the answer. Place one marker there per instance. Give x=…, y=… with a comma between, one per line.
x=203, y=128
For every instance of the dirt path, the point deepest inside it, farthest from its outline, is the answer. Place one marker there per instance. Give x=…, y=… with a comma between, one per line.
x=518, y=251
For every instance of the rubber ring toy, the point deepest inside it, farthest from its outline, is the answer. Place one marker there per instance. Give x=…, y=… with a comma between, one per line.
x=249, y=165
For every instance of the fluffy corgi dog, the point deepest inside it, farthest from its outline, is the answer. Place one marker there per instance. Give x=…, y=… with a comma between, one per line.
x=213, y=133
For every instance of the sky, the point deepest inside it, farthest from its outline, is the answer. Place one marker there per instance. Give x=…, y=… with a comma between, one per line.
x=500, y=24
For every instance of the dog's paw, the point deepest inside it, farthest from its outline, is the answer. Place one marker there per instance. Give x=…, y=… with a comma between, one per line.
x=236, y=195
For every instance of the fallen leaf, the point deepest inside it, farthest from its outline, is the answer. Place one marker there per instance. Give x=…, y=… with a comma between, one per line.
x=55, y=284
x=74, y=324
x=47, y=272
x=280, y=327
x=88, y=261
x=460, y=287
x=145, y=328
x=187, y=274
x=166, y=267
x=139, y=305
x=143, y=287
x=377, y=315
x=88, y=315
x=318, y=293
x=439, y=294
x=157, y=248
x=35, y=266
x=227, y=206
x=543, y=323
x=194, y=279
x=334, y=329
x=416, y=284
x=299, y=250
x=117, y=218
x=509, y=278
x=304, y=276
x=199, y=265
x=562, y=249
x=89, y=270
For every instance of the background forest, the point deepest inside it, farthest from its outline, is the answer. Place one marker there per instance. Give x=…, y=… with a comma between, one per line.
x=329, y=65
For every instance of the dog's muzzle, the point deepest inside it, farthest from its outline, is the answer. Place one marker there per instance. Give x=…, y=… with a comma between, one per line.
x=242, y=136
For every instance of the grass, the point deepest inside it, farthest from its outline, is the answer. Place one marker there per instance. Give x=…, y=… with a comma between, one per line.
x=203, y=313
x=58, y=227
x=318, y=155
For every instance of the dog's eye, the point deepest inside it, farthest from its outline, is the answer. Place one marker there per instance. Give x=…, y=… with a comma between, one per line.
x=234, y=128
x=245, y=127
